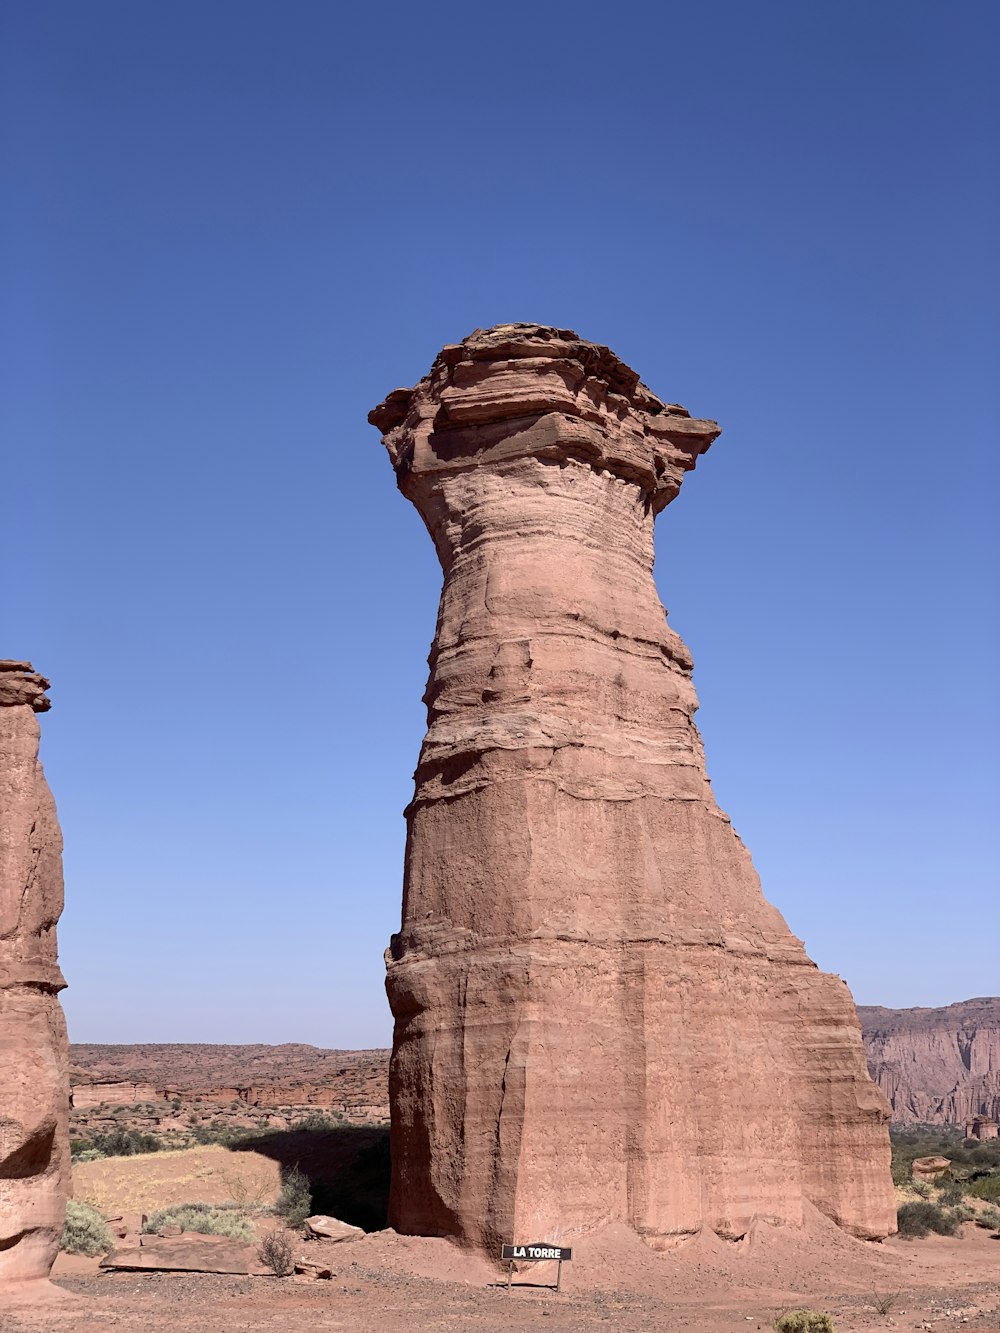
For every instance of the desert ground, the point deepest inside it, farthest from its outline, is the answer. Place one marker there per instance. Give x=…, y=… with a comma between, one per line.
x=384, y=1281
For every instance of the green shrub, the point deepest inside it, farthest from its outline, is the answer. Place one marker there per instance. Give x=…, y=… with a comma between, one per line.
x=123, y=1143
x=803, y=1321
x=916, y=1220
x=86, y=1231
x=949, y=1192
x=209, y=1219
x=988, y=1218
x=985, y=1187
x=217, y=1131
x=295, y=1200
x=318, y=1122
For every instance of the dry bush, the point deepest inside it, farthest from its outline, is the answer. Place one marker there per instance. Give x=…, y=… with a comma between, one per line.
x=885, y=1304
x=275, y=1252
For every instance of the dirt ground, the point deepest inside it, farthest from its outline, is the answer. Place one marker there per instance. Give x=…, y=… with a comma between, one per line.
x=383, y=1281
x=389, y=1282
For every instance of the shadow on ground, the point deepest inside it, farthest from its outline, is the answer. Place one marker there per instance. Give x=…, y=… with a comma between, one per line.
x=347, y=1168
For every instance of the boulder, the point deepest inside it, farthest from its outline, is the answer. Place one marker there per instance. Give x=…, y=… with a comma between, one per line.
x=190, y=1252
x=331, y=1228
x=929, y=1168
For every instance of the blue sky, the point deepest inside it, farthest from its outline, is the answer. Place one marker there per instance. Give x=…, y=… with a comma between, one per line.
x=230, y=229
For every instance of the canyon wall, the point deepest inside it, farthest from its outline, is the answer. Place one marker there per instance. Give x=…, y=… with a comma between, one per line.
x=34, y=1055
x=936, y=1066
x=598, y=1017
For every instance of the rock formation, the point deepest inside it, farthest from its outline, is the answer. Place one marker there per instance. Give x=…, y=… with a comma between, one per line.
x=936, y=1066
x=929, y=1168
x=598, y=1017
x=34, y=1055
x=981, y=1127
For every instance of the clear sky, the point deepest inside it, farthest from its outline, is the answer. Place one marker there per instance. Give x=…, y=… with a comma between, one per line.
x=230, y=228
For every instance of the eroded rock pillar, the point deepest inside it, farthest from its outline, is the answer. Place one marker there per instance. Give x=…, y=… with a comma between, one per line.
x=598, y=1017
x=34, y=1055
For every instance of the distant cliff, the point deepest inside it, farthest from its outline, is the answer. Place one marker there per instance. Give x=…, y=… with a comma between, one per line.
x=939, y=1066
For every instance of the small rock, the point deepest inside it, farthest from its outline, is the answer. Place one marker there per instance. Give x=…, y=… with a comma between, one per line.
x=308, y=1269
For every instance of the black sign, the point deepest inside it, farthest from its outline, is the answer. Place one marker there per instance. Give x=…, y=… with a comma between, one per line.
x=533, y=1254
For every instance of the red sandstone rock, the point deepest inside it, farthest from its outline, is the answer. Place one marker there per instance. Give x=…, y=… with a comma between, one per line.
x=598, y=1017
x=929, y=1168
x=187, y=1253
x=331, y=1228
x=34, y=1055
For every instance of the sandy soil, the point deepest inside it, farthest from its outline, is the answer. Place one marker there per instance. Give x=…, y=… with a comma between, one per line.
x=388, y=1282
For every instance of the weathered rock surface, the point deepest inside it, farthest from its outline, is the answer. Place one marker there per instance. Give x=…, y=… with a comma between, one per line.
x=929, y=1168
x=936, y=1066
x=598, y=1017
x=331, y=1228
x=189, y=1252
x=34, y=1055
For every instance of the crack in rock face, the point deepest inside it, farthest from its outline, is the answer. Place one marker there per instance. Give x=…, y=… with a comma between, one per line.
x=34, y=1054
x=598, y=1017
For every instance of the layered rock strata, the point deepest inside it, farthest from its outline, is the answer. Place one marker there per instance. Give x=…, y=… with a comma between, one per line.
x=34, y=1054
x=597, y=1015
x=936, y=1066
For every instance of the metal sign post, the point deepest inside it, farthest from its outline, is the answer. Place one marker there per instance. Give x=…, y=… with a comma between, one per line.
x=536, y=1254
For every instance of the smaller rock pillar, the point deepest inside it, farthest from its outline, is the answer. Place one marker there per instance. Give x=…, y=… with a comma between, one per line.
x=34, y=1054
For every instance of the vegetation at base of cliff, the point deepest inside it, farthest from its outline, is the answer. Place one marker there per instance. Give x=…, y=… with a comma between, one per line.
x=124, y=1142
x=86, y=1231
x=117, y=1143
x=955, y=1196
x=971, y=1162
x=295, y=1200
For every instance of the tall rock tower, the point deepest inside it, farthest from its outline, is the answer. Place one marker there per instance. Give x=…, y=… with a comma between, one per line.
x=34, y=1056
x=597, y=1015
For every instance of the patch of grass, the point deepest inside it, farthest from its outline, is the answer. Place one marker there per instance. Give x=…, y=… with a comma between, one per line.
x=86, y=1231
x=209, y=1219
x=985, y=1187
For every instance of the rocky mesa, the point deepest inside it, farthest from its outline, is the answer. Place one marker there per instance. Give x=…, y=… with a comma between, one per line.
x=936, y=1066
